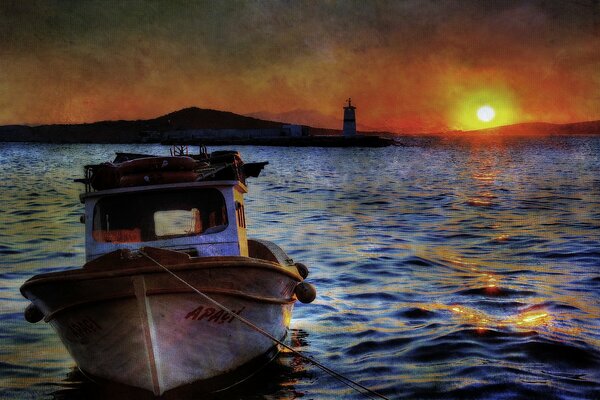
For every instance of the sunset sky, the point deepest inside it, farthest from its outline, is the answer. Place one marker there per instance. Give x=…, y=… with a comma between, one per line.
x=408, y=65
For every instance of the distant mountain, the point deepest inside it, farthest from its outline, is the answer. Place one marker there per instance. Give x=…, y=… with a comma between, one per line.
x=132, y=131
x=197, y=118
x=541, y=128
x=301, y=117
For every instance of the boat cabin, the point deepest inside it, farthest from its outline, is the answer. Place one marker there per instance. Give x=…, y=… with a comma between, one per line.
x=204, y=218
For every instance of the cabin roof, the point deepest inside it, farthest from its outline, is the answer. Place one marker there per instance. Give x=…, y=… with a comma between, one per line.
x=165, y=188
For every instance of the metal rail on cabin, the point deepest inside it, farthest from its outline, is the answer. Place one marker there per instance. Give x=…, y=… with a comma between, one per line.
x=204, y=173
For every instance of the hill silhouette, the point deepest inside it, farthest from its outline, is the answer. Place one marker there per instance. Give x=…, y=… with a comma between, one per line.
x=541, y=129
x=132, y=131
x=198, y=118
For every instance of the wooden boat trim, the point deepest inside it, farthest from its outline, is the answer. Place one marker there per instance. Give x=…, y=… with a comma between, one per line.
x=139, y=288
x=59, y=310
x=159, y=292
x=214, y=262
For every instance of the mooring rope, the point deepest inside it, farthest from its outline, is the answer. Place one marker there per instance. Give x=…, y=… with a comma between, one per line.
x=345, y=380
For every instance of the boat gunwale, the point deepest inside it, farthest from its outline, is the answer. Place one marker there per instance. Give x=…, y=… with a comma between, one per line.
x=81, y=274
x=160, y=292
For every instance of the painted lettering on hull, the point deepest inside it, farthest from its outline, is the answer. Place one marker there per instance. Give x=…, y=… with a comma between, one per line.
x=79, y=330
x=214, y=315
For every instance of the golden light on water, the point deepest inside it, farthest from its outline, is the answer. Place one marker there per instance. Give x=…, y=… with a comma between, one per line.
x=287, y=316
x=482, y=321
x=532, y=318
x=502, y=238
x=491, y=284
x=478, y=202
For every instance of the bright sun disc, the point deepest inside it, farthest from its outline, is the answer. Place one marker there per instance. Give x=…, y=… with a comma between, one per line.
x=486, y=113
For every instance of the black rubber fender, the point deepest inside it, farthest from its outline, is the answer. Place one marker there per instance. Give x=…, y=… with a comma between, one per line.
x=302, y=270
x=33, y=314
x=305, y=292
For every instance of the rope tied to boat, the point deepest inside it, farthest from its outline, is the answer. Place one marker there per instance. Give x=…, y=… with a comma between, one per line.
x=345, y=380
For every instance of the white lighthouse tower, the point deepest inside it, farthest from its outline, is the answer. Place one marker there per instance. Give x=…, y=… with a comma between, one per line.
x=349, y=119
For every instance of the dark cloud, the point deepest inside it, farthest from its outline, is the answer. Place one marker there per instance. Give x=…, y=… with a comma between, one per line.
x=75, y=59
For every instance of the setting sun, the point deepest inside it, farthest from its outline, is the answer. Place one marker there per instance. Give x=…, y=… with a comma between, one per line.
x=484, y=107
x=486, y=113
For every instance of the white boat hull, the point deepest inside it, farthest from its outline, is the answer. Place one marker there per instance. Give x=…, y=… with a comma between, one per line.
x=162, y=342
x=148, y=330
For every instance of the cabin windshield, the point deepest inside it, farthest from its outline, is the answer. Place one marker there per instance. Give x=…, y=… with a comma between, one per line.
x=144, y=217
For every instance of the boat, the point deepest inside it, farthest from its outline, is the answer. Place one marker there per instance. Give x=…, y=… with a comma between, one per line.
x=172, y=293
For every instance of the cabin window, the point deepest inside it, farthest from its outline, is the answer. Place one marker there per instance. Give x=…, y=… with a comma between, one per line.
x=144, y=217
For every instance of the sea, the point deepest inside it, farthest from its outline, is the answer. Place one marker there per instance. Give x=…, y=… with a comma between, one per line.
x=446, y=268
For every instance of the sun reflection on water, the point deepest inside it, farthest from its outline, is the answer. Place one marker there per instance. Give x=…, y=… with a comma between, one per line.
x=483, y=321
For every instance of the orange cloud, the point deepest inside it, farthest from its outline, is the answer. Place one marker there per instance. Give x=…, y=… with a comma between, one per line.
x=408, y=65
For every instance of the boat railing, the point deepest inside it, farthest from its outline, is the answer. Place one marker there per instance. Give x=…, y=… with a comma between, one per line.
x=218, y=165
x=220, y=171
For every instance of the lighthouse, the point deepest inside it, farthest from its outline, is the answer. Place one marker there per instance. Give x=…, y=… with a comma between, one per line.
x=349, y=119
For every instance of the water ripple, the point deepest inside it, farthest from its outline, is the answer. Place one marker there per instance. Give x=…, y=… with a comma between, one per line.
x=453, y=270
